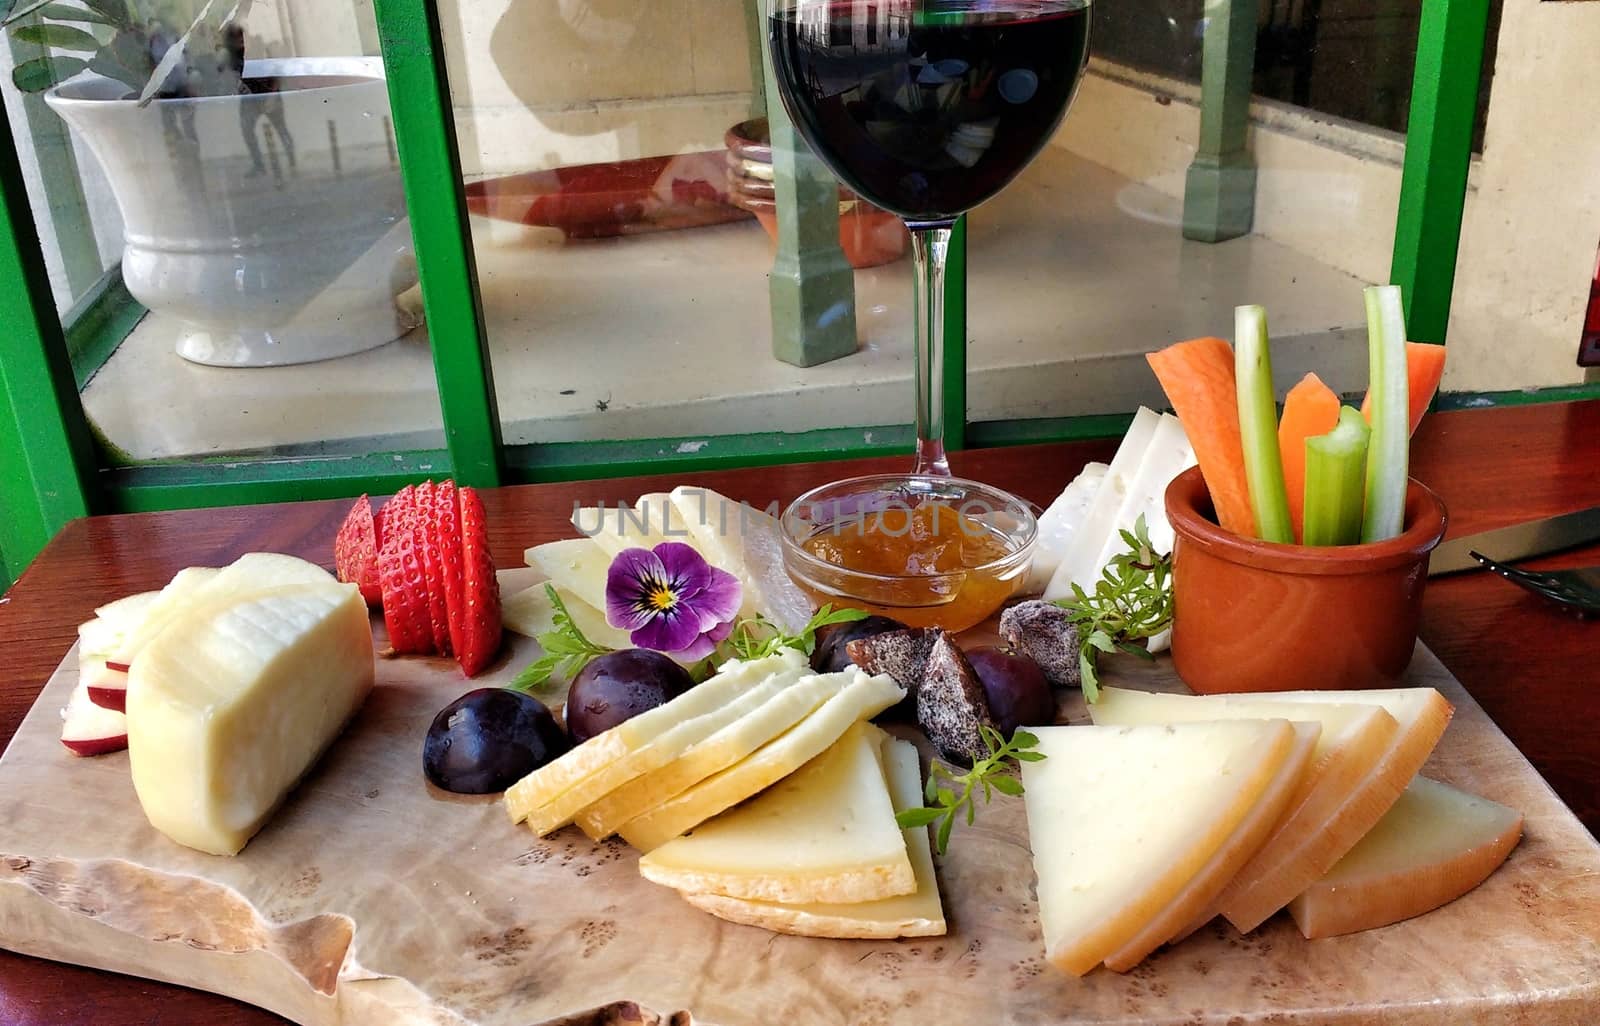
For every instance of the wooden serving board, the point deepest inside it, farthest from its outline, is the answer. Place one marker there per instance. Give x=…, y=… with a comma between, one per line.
x=373, y=900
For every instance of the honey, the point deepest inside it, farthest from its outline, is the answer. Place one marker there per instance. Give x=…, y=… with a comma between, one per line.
x=932, y=565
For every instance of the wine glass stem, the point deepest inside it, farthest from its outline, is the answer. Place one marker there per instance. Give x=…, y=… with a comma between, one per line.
x=930, y=246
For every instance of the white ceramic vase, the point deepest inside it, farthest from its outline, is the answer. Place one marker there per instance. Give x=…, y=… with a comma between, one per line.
x=272, y=225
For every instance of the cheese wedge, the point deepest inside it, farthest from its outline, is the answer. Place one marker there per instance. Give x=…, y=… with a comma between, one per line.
x=1246, y=839
x=664, y=749
x=747, y=543
x=1079, y=559
x=576, y=565
x=1434, y=845
x=1305, y=854
x=531, y=613
x=824, y=833
x=917, y=914
x=1121, y=819
x=712, y=755
x=232, y=704
x=553, y=779
x=861, y=699
x=1059, y=524
x=643, y=525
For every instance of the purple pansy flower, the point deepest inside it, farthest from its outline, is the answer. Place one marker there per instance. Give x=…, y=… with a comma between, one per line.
x=671, y=600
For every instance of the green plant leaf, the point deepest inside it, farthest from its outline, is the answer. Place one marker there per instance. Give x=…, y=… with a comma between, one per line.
x=72, y=12
x=41, y=73
x=12, y=13
x=910, y=819
x=59, y=37
x=115, y=11
x=1009, y=785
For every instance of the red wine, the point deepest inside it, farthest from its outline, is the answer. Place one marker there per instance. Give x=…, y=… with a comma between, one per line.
x=928, y=107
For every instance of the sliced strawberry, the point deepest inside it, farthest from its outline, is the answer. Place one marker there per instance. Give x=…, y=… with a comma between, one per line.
x=480, y=620
x=427, y=542
x=405, y=597
x=446, y=526
x=355, y=551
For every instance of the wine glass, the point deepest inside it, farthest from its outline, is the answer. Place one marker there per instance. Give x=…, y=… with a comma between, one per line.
x=927, y=108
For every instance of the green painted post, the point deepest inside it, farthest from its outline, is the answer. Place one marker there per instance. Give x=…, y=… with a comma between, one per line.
x=430, y=163
x=1219, y=193
x=47, y=466
x=812, y=286
x=1433, y=182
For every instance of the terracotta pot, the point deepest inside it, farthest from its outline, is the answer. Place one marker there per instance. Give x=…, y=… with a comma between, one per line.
x=1257, y=616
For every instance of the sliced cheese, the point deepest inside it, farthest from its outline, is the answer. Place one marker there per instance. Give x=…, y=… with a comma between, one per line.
x=747, y=543
x=1246, y=839
x=531, y=613
x=232, y=704
x=1059, y=524
x=643, y=525
x=1434, y=844
x=824, y=833
x=1303, y=853
x=553, y=779
x=576, y=565
x=918, y=914
x=664, y=749
x=863, y=698
x=1091, y=535
x=1168, y=455
x=722, y=749
x=1121, y=819
x=195, y=587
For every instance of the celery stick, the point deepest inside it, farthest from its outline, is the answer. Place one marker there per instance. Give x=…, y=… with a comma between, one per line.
x=1258, y=425
x=1388, y=451
x=1336, y=481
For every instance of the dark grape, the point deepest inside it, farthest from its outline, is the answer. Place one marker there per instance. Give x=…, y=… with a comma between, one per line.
x=489, y=739
x=830, y=656
x=1019, y=695
x=619, y=686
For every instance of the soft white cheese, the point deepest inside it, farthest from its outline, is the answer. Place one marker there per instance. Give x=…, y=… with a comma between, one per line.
x=1059, y=524
x=1079, y=559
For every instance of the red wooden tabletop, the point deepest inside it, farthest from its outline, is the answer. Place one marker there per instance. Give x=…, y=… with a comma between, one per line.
x=1530, y=665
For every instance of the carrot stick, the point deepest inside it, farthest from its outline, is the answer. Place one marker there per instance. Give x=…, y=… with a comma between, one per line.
x=1198, y=377
x=1424, y=368
x=1310, y=409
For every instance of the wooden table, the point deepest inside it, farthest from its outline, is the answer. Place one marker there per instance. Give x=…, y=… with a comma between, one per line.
x=1530, y=665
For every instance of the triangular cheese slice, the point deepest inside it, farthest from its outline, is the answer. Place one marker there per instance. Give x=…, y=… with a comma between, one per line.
x=577, y=565
x=1246, y=839
x=643, y=525
x=549, y=781
x=826, y=832
x=862, y=699
x=1121, y=819
x=918, y=914
x=657, y=753
x=747, y=543
x=1434, y=845
x=711, y=755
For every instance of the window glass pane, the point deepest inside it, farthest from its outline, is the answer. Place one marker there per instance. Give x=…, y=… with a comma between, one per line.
x=624, y=278
x=261, y=204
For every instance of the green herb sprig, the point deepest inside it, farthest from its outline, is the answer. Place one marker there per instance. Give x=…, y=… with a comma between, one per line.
x=756, y=637
x=566, y=650
x=1132, y=602
x=988, y=775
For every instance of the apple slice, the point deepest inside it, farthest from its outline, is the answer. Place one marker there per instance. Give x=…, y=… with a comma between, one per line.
x=106, y=685
x=88, y=729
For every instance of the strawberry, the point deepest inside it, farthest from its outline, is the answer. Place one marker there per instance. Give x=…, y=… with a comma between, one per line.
x=427, y=542
x=355, y=551
x=405, y=596
x=480, y=618
x=446, y=528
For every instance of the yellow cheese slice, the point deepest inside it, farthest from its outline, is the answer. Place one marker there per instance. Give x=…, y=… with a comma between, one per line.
x=531, y=613
x=1273, y=879
x=862, y=699
x=918, y=914
x=1247, y=838
x=1121, y=819
x=712, y=755
x=665, y=748
x=553, y=779
x=643, y=525
x=577, y=565
x=232, y=703
x=1433, y=845
x=745, y=541
x=826, y=832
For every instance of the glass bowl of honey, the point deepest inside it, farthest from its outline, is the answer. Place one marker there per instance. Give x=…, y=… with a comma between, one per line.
x=927, y=551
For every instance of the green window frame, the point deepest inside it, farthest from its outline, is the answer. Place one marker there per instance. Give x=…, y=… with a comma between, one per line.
x=52, y=469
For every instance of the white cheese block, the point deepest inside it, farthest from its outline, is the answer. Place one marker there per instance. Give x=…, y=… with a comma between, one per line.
x=746, y=542
x=1435, y=844
x=1090, y=537
x=1121, y=819
x=861, y=699
x=1059, y=524
x=232, y=704
x=531, y=613
x=918, y=914
x=824, y=833
x=577, y=565
x=733, y=678
x=643, y=525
